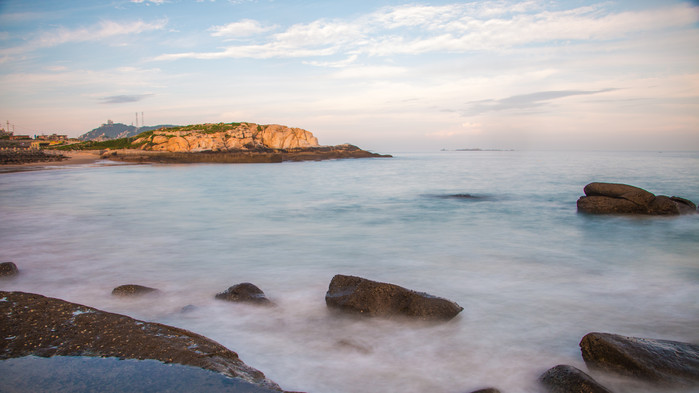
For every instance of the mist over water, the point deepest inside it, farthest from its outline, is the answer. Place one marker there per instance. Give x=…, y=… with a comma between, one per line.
x=532, y=274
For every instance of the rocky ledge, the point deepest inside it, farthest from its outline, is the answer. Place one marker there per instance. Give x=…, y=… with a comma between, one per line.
x=42, y=326
x=258, y=155
x=613, y=198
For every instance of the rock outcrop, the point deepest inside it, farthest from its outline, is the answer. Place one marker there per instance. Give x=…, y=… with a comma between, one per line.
x=262, y=155
x=37, y=325
x=613, y=198
x=656, y=361
x=361, y=296
x=569, y=379
x=8, y=269
x=225, y=137
x=132, y=290
x=244, y=293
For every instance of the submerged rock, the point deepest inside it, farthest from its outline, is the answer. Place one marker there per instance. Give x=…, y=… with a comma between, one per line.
x=8, y=269
x=613, y=198
x=37, y=325
x=657, y=361
x=244, y=292
x=486, y=390
x=568, y=379
x=132, y=290
x=362, y=296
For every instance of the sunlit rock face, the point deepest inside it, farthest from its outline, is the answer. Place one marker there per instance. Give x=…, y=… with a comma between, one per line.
x=243, y=136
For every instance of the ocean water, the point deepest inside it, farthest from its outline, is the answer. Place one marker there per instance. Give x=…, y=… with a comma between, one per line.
x=532, y=274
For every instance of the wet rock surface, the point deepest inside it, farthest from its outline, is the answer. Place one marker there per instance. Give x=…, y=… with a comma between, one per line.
x=664, y=362
x=244, y=293
x=132, y=290
x=8, y=269
x=362, y=296
x=82, y=374
x=37, y=325
x=614, y=198
x=569, y=379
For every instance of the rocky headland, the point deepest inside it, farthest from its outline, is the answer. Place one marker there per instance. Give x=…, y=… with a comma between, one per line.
x=224, y=143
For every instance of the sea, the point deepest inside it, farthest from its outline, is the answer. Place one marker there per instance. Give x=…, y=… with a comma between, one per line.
x=497, y=232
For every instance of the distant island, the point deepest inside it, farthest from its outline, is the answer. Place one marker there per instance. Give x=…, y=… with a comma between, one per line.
x=478, y=149
x=213, y=142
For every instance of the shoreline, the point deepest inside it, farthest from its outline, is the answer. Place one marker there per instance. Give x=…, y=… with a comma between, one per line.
x=83, y=157
x=131, y=156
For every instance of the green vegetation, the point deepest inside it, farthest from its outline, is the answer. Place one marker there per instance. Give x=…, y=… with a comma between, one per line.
x=210, y=128
x=121, y=143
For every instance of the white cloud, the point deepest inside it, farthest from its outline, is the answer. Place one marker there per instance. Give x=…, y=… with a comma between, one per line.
x=456, y=28
x=158, y=2
x=99, y=31
x=370, y=72
x=243, y=28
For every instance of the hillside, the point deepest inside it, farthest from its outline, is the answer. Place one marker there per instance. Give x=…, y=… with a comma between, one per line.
x=111, y=130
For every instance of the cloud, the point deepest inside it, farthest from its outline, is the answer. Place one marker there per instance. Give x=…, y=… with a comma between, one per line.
x=157, y=2
x=370, y=72
x=243, y=28
x=99, y=31
x=525, y=101
x=121, y=99
x=454, y=28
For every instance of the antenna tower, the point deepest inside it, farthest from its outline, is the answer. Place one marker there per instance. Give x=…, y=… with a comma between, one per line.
x=143, y=124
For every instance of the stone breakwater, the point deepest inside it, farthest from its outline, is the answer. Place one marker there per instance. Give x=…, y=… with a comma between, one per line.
x=261, y=155
x=25, y=156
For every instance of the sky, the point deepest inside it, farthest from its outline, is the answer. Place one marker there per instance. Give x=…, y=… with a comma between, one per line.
x=384, y=75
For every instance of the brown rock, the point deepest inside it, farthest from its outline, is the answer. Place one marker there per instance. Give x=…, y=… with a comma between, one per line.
x=568, y=379
x=611, y=198
x=42, y=326
x=362, y=296
x=636, y=195
x=685, y=205
x=246, y=293
x=8, y=269
x=663, y=206
x=608, y=205
x=486, y=390
x=132, y=290
x=659, y=361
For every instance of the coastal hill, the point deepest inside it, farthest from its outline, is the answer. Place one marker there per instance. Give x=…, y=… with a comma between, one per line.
x=111, y=130
x=223, y=143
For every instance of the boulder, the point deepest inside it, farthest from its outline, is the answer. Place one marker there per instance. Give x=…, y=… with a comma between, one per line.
x=8, y=269
x=636, y=195
x=244, y=292
x=612, y=198
x=36, y=325
x=657, y=361
x=486, y=390
x=132, y=290
x=568, y=379
x=361, y=296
